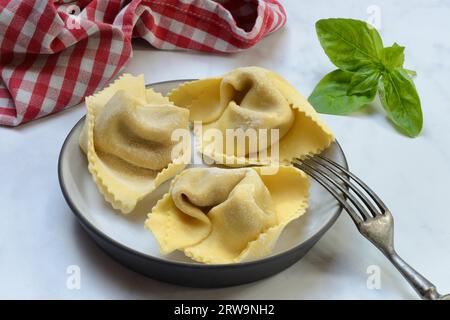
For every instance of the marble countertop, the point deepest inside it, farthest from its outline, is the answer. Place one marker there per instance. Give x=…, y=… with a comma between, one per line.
x=40, y=238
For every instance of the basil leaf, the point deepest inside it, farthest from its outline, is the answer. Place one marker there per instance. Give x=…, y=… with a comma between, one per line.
x=364, y=80
x=401, y=101
x=330, y=95
x=350, y=44
x=393, y=57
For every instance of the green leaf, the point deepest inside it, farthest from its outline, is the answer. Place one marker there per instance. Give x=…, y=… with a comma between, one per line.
x=364, y=80
x=350, y=44
x=330, y=95
x=393, y=57
x=401, y=101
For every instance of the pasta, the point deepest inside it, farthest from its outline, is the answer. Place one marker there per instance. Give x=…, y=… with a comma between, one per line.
x=218, y=215
x=213, y=215
x=128, y=142
x=260, y=100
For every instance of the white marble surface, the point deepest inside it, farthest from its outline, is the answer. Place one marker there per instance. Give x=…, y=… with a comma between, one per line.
x=40, y=238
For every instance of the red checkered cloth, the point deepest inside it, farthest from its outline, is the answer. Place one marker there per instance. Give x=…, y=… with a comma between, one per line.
x=53, y=54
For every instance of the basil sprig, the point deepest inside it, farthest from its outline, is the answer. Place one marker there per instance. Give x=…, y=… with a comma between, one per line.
x=365, y=68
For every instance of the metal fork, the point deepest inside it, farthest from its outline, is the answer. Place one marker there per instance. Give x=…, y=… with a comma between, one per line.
x=371, y=216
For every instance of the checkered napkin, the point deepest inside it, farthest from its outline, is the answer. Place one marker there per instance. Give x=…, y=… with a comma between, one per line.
x=53, y=54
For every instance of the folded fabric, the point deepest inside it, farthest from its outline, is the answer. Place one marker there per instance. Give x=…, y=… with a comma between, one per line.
x=52, y=55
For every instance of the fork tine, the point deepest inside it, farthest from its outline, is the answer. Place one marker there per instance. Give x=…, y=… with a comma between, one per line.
x=355, y=217
x=362, y=211
x=369, y=191
x=352, y=186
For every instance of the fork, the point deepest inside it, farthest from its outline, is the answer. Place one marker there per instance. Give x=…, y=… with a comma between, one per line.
x=371, y=216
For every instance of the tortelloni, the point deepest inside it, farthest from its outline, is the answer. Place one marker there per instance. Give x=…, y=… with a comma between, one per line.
x=128, y=141
x=261, y=117
x=218, y=215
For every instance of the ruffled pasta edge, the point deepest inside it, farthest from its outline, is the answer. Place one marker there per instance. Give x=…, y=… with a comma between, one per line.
x=187, y=92
x=262, y=246
x=124, y=204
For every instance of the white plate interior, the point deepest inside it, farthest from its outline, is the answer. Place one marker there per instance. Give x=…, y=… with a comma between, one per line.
x=129, y=230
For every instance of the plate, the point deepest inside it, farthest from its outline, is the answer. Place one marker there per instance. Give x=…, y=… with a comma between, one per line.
x=124, y=238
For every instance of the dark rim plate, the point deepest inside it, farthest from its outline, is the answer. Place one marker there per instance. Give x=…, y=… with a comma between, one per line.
x=190, y=273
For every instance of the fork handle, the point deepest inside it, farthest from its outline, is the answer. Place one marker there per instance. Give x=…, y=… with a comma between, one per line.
x=423, y=286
